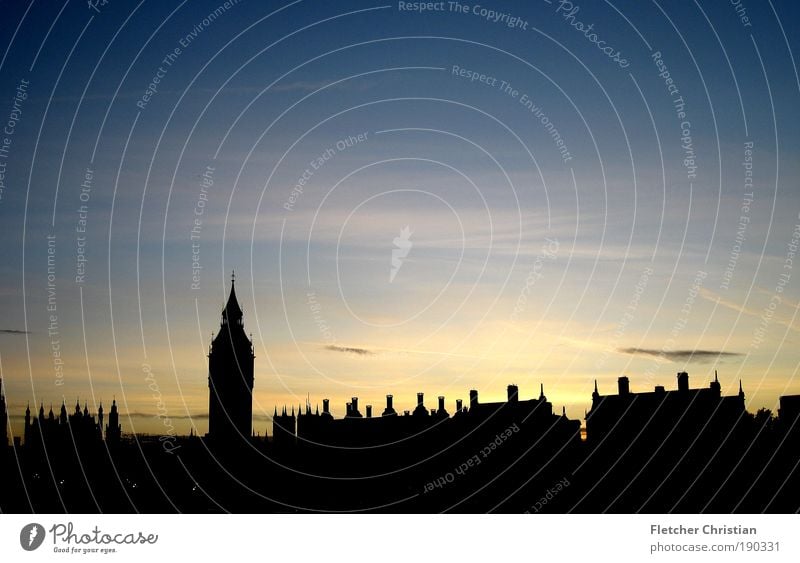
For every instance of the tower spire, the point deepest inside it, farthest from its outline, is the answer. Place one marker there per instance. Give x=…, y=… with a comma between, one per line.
x=232, y=311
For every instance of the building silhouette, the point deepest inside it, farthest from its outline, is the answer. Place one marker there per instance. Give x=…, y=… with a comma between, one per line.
x=682, y=449
x=48, y=431
x=321, y=429
x=652, y=415
x=114, y=429
x=230, y=377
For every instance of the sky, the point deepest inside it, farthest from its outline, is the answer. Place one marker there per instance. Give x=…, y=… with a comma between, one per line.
x=437, y=200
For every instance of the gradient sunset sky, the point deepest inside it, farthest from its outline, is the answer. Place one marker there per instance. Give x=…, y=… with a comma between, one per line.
x=571, y=216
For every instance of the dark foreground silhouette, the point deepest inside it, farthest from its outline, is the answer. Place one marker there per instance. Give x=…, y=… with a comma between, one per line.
x=683, y=450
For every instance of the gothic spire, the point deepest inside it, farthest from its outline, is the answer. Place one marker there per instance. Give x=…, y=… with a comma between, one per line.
x=232, y=311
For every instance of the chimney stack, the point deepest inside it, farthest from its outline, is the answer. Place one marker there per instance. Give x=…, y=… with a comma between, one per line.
x=513, y=393
x=369, y=411
x=441, y=403
x=459, y=405
x=420, y=410
x=326, y=406
x=473, y=398
x=354, y=408
x=683, y=381
x=623, y=385
x=389, y=409
x=715, y=384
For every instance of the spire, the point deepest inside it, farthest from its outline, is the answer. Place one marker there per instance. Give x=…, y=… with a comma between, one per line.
x=716, y=379
x=564, y=411
x=276, y=412
x=595, y=387
x=232, y=311
x=541, y=392
x=741, y=392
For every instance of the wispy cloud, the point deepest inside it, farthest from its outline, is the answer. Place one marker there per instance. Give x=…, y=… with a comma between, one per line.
x=349, y=350
x=13, y=331
x=696, y=356
x=734, y=306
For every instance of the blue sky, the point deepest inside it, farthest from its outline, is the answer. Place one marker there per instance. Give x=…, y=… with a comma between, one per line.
x=523, y=265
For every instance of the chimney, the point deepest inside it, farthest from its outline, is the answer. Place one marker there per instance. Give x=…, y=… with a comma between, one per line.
x=660, y=389
x=623, y=385
x=441, y=403
x=715, y=384
x=326, y=406
x=389, y=411
x=369, y=411
x=513, y=393
x=355, y=404
x=459, y=405
x=420, y=410
x=473, y=398
x=683, y=381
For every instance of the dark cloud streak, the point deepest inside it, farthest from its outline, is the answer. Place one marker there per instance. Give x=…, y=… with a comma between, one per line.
x=349, y=350
x=696, y=356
